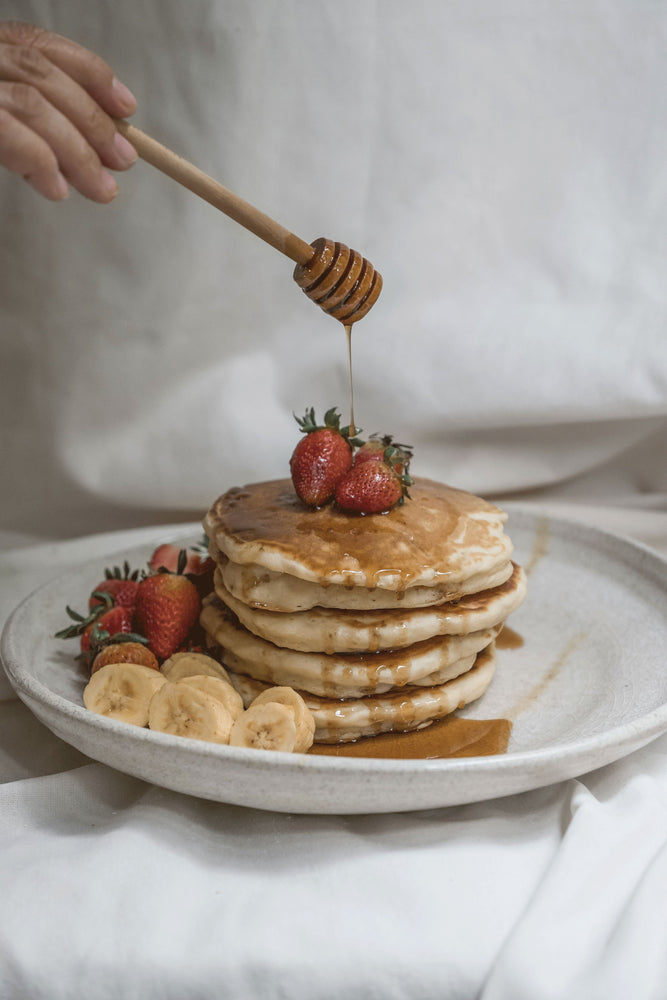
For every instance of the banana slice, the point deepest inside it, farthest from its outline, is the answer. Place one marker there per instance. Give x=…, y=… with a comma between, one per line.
x=303, y=717
x=123, y=691
x=182, y=665
x=219, y=689
x=265, y=727
x=184, y=710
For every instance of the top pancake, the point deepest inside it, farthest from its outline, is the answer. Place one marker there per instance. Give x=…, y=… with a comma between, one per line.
x=439, y=537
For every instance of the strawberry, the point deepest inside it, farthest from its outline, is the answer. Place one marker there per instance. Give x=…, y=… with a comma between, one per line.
x=122, y=586
x=125, y=652
x=379, y=449
x=373, y=487
x=196, y=560
x=102, y=621
x=322, y=458
x=123, y=592
x=167, y=607
x=116, y=621
x=104, y=624
x=193, y=562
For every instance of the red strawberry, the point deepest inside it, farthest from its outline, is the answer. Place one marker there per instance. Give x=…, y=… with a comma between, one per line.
x=124, y=652
x=122, y=586
x=123, y=592
x=167, y=555
x=322, y=458
x=167, y=607
x=104, y=618
x=193, y=562
x=104, y=624
x=383, y=449
x=116, y=621
x=371, y=488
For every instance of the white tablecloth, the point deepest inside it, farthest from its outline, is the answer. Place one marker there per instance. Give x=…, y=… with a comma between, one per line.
x=115, y=888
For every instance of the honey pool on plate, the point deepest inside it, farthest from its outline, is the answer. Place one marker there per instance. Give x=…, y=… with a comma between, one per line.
x=450, y=737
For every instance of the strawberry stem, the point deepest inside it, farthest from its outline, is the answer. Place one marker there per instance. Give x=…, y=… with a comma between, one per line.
x=125, y=574
x=308, y=424
x=80, y=623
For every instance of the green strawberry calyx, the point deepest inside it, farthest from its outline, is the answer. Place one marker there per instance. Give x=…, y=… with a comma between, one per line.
x=308, y=424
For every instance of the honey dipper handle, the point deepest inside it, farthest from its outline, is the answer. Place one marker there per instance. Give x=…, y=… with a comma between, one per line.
x=200, y=183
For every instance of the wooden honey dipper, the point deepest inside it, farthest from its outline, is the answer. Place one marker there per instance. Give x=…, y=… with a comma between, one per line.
x=342, y=282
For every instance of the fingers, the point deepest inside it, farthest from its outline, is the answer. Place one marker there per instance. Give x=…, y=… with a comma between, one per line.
x=65, y=95
x=88, y=69
x=70, y=154
x=25, y=153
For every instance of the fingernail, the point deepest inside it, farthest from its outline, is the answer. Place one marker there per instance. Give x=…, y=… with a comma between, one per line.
x=61, y=186
x=125, y=149
x=108, y=184
x=124, y=95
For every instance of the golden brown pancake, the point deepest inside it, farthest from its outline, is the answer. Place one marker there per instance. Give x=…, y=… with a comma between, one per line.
x=439, y=538
x=346, y=631
x=259, y=587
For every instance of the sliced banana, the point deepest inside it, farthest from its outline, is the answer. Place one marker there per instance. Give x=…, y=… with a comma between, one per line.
x=265, y=727
x=303, y=717
x=217, y=688
x=123, y=691
x=182, y=665
x=184, y=710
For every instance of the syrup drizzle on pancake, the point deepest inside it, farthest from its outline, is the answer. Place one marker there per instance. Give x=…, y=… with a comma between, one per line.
x=439, y=533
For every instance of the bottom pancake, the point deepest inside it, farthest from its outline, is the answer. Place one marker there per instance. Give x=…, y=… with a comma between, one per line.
x=341, y=721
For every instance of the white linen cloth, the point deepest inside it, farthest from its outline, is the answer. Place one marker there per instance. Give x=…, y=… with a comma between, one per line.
x=503, y=167
x=112, y=887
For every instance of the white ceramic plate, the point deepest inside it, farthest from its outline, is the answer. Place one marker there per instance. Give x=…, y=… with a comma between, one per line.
x=588, y=686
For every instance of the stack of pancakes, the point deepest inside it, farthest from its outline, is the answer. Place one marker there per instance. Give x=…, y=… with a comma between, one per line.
x=383, y=623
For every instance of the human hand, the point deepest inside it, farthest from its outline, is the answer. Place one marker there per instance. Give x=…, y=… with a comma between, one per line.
x=57, y=101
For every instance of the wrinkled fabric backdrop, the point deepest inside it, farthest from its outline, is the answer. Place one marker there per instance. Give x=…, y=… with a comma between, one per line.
x=503, y=167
